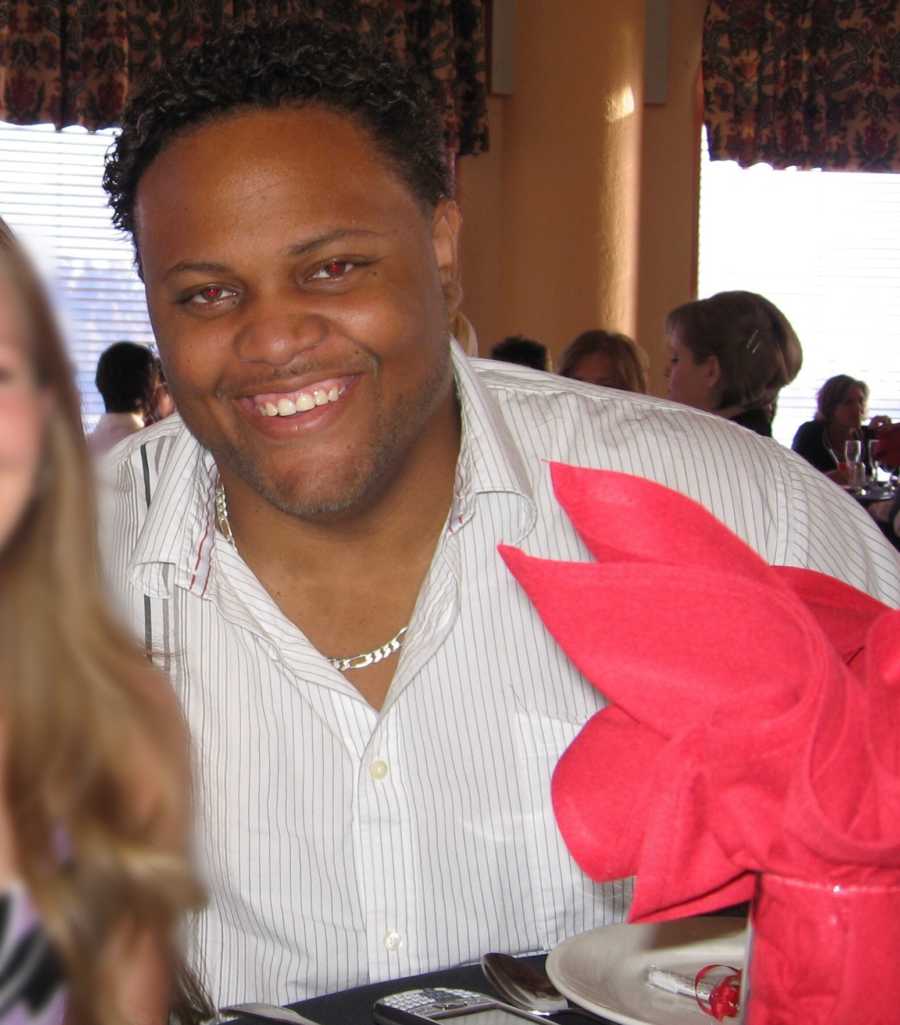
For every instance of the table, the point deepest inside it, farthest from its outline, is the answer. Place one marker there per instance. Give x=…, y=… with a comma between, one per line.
x=887, y=494
x=354, y=1006
x=873, y=493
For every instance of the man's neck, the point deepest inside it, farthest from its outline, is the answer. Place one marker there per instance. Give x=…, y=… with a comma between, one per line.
x=351, y=582
x=391, y=523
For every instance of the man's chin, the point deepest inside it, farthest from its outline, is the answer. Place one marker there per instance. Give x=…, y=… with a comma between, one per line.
x=319, y=507
x=318, y=498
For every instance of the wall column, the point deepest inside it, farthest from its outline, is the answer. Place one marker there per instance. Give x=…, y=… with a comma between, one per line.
x=563, y=223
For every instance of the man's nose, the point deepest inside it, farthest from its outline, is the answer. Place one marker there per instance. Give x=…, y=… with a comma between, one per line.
x=275, y=333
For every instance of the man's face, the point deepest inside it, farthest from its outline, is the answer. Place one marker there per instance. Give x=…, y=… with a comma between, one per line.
x=298, y=292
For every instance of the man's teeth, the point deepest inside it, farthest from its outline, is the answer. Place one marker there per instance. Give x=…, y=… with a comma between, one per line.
x=303, y=402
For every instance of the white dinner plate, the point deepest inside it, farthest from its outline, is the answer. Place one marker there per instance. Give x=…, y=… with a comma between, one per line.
x=603, y=970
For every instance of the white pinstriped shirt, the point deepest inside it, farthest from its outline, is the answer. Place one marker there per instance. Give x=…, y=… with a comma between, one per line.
x=342, y=845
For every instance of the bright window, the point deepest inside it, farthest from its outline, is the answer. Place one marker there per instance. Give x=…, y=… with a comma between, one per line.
x=50, y=195
x=825, y=248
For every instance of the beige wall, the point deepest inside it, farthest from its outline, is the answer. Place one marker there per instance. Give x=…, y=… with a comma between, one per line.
x=583, y=213
x=670, y=172
x=550, y=246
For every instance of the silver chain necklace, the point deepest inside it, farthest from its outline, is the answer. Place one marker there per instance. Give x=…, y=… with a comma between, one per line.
x=361, y=661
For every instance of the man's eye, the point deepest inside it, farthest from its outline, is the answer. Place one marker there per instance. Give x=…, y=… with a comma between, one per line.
x=334, y=270
x=210, y=295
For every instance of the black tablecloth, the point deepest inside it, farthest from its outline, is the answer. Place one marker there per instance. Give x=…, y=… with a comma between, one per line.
x=354, y=1006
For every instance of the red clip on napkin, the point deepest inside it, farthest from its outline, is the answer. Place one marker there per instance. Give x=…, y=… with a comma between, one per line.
x=754, y=710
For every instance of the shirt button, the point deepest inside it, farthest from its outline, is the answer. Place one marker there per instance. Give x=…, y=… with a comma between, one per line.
x=392, y=940
x=378, y=770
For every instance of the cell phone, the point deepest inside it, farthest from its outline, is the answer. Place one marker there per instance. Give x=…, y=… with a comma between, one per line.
x=420, y=1006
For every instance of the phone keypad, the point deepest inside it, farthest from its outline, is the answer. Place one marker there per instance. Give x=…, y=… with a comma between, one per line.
x=425, y=1001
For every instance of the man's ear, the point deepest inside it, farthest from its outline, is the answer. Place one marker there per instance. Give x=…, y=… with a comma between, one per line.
x=445, y=226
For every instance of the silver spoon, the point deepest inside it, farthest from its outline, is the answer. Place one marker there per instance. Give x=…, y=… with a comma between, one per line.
x=527, y=986
x=270, y=1012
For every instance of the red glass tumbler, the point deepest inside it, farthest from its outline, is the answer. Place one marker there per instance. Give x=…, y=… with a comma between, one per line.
x=823, y=954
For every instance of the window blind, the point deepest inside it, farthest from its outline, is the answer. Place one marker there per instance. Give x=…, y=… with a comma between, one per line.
x=825, y=248
x=51, y=196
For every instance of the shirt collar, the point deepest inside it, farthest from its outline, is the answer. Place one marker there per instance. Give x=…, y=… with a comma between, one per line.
x=490, y=460
x=178, y=483
x=178, y=479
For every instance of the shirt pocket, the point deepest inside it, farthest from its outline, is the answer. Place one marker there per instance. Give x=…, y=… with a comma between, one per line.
x=550, y=713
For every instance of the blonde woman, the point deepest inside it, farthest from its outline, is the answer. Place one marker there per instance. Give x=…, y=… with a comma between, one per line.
x=841, y=407
x=93, y=872
x=607, y=358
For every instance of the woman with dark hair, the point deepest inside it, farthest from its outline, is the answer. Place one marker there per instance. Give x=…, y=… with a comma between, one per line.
x=731, y=354
x=840, y=410
x=94, y=873
x=606, y=358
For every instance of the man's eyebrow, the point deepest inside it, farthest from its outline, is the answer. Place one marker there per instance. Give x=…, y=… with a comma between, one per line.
x=300, y=249
x=200, y=266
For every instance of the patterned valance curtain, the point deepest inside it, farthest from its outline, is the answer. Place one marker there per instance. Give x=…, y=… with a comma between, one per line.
x=805, y=83
x=71, y=62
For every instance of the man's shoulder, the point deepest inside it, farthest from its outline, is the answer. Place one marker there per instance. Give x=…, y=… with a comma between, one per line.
x=771, y=497
x=150, y=445
x=552, y=418
x=511, y=383
x=148, y=495
x=129, y=472
x=560, y=404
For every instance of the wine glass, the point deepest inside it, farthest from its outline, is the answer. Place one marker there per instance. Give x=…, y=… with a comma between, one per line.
x=873, y=459
x=856, y=470
x=881, y=460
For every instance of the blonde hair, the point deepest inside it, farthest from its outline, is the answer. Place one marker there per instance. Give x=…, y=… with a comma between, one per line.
x=627, y=359
x=833, y=392
x=95, y=773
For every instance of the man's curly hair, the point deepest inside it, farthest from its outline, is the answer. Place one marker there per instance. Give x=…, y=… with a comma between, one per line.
x=276, y=65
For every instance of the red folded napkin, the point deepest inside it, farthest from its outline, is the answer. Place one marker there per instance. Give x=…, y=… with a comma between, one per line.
x=754, y=710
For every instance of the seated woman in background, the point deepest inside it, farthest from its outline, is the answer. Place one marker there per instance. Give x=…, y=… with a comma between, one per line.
x=731, y=354
x=606, y=358
x=840, y=410
x=93, y=817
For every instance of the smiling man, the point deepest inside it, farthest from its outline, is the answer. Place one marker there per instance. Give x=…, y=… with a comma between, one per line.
x=300, y=290
x=310, y=547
